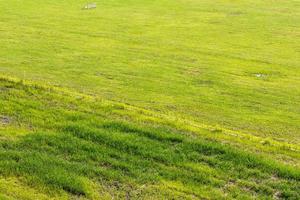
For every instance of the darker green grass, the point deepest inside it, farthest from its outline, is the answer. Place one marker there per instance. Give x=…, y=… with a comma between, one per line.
x=76, y=150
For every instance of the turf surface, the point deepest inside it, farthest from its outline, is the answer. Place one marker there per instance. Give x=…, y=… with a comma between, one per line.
x=68, y=145
x=149, y=99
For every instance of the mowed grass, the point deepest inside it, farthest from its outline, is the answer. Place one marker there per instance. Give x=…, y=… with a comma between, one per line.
x=196, y=59
x=61, y=145
x=148, y=99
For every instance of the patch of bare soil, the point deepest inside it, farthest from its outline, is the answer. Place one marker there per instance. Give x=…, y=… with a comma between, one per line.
x=4, y=120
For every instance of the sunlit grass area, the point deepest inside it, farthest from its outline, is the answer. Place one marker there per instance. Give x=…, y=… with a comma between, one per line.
x=150, y=99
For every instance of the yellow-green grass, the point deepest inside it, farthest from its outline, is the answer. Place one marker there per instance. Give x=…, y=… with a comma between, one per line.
x=149, y=99
x=196, y=59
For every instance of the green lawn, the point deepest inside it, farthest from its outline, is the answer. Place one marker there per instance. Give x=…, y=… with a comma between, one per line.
x=150, y=99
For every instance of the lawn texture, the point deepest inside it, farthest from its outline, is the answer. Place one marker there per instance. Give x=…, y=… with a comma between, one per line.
x=148, y=99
